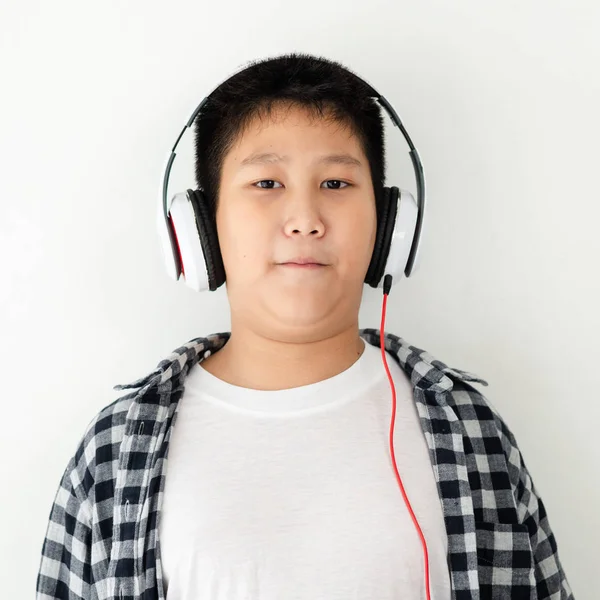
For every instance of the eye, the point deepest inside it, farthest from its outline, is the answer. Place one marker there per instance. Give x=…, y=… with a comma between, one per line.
x=337, y=181
x=267, y=187
x=337, y=184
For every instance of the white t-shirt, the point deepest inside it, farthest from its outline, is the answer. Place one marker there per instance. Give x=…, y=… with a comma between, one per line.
x=291, y=494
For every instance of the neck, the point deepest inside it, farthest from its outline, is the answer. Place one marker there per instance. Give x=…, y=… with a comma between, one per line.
x=252, y=360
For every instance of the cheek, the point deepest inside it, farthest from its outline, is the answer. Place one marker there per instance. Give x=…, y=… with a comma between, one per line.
x=358, y=237
x=243, y=246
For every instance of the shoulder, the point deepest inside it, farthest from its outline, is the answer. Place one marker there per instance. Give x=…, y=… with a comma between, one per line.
x=476, y=411
x=95, y=460
x=485, y=430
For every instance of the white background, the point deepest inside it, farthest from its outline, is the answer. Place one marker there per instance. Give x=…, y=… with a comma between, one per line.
x=500, y=98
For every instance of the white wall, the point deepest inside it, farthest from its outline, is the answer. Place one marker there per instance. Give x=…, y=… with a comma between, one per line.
x=501, y=99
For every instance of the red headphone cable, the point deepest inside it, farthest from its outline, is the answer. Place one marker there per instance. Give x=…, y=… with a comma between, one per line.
x=387, y=284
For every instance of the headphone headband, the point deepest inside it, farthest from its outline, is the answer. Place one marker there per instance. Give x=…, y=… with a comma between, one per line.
x=389, y=109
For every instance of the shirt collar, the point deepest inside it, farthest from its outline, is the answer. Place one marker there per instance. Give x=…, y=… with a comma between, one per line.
x=425, y=371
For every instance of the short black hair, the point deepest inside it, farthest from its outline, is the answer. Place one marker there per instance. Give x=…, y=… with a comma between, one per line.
x=325, y=87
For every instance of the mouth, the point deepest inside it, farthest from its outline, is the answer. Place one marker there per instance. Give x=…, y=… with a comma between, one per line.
x=303, y=266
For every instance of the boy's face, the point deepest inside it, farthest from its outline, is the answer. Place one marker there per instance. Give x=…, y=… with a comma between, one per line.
x=271, y=212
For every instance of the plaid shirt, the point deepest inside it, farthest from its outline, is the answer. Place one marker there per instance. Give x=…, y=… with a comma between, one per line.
x=101, y=540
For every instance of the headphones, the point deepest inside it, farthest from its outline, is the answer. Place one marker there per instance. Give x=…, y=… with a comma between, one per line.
x=190, y=244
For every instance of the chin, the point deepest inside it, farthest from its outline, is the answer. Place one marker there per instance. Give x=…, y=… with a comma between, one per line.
x=302, y=312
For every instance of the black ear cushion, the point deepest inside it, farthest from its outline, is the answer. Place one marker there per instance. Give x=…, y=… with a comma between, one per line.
x=388, y=230
x=385, y=226
x=208, y=240
x=380, y=205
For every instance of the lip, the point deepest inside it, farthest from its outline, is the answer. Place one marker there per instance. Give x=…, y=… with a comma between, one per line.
x=302, y=266
x=304, y=260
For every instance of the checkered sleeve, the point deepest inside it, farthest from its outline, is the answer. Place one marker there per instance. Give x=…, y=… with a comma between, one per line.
x=551, y=581
x=65, y=571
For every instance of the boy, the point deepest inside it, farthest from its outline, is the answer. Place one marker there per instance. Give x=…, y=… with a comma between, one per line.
x=277, y=481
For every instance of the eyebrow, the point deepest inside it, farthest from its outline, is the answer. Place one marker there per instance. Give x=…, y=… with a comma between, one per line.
x=261, y=158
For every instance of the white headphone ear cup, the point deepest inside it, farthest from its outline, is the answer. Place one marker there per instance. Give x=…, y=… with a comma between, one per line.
x=183, y=219
x=417, y=260
x=402, y=237
x=171, y=261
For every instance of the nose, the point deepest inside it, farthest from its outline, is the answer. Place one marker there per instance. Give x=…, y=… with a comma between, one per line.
x=303, y=215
